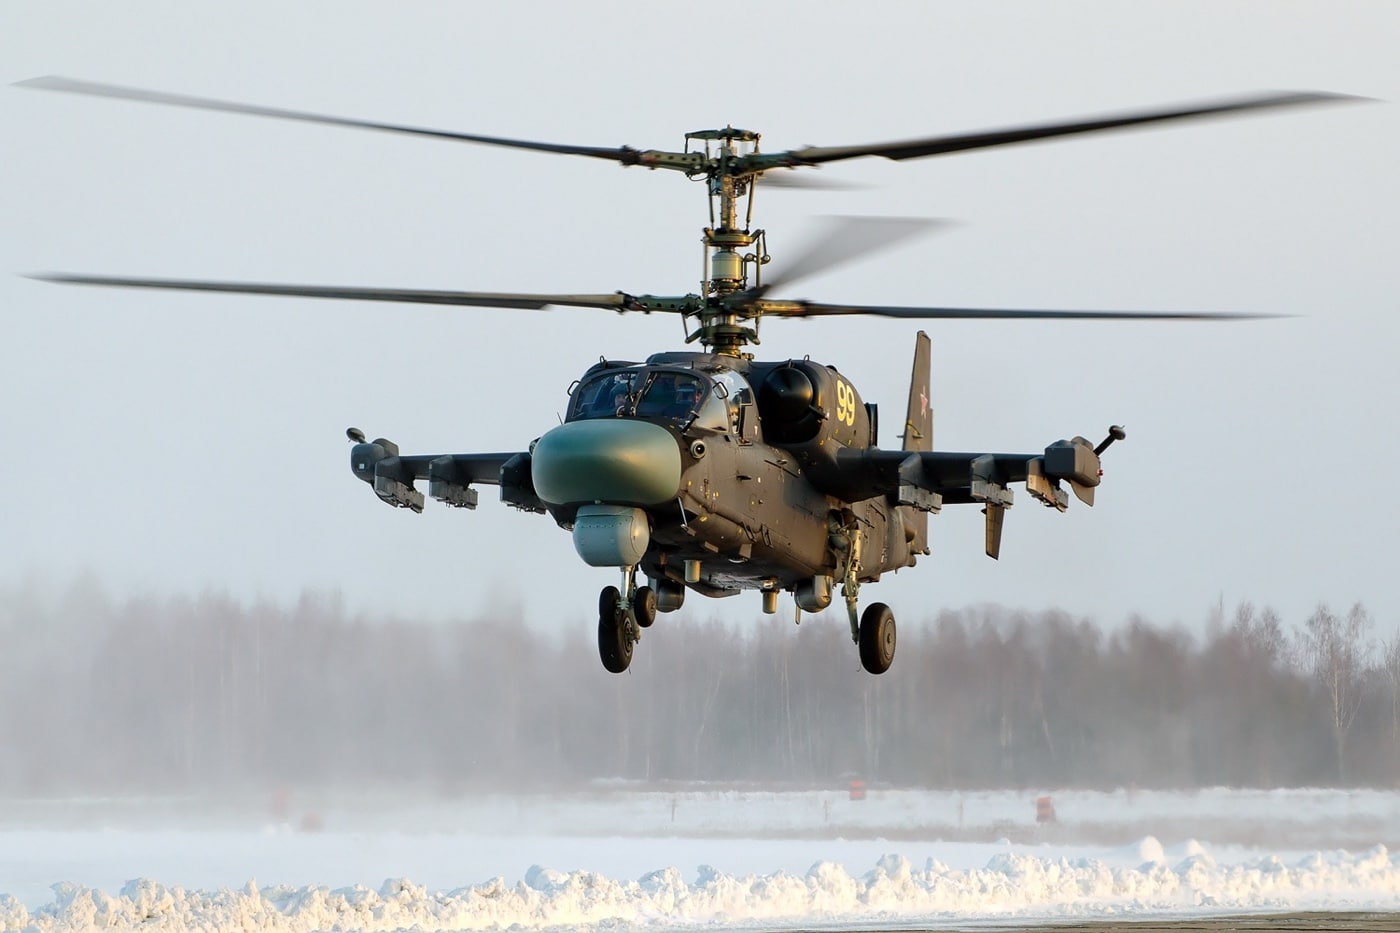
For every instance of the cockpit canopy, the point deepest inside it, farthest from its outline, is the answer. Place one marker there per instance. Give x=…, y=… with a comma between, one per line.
x=653, y=393
x=705, y=402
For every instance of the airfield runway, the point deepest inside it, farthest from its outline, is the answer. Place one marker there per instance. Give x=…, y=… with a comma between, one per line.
x=1360, y=922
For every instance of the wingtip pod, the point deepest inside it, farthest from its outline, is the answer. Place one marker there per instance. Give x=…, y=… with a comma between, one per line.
x=1075, y=462
x=1086, y=493
x=377, y=462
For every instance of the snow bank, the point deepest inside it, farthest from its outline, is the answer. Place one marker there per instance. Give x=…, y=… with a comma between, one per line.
x=1012, y=885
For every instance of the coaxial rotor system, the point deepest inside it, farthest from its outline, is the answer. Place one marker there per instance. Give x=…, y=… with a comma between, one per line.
x=715, y=472
x=732, y=293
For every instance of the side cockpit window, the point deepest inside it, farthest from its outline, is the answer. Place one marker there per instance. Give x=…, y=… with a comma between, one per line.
x=721, y=404
x=604, y=396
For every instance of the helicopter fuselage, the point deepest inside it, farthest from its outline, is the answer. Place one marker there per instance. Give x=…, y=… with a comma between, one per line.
x=721, y=474
x=716, y=473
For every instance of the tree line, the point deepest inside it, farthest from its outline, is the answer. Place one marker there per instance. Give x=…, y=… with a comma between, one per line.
x=181, y=694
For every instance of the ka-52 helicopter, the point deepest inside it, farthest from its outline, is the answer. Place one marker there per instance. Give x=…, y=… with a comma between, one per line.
x=714, y=471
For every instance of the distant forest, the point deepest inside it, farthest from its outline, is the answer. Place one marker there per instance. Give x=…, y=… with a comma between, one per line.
x=182, y=695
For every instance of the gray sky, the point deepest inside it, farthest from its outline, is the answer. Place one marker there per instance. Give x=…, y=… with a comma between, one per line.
x=173, y=442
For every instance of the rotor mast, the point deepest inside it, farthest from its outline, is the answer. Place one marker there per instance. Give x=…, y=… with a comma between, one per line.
x=730, y=176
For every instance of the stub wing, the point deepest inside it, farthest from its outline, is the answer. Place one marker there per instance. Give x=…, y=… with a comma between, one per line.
x=450, y=476
x=927, y=480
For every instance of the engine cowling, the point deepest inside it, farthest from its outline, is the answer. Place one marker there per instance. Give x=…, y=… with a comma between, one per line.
x=788, y=404
x=814, y=412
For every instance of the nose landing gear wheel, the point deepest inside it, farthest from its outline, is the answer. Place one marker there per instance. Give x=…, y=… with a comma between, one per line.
x=877, y=638
x=614, y=634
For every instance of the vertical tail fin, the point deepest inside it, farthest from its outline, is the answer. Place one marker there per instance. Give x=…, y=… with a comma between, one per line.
x=918, y=418
x=918, y=435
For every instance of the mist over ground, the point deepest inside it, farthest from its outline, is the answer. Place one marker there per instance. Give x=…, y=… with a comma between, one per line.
x=209, y=694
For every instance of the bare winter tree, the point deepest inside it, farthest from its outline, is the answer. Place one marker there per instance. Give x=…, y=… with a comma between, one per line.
x=1391, y=663
x=1336, y=649
x=212, y=695
x=1261, y=632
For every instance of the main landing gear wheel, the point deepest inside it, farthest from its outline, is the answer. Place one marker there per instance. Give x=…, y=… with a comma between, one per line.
x=614, y=631
x=644, y=606
x=877, y=638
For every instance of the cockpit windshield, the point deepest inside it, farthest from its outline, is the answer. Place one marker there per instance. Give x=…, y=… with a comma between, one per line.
x=659, y=394
x=669, y=395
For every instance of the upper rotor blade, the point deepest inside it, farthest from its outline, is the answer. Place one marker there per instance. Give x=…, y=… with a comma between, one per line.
x=939, y=145
x=817, y=309
x=624, y=154
x=616, y=301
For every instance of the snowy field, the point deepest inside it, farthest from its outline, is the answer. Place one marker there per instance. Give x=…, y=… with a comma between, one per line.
x=623, y=858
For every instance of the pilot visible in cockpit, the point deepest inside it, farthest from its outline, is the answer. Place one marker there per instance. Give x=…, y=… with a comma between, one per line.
x=685, y=400
x=620, y=398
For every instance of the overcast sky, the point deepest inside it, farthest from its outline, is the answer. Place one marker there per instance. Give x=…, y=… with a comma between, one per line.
x=171, y=443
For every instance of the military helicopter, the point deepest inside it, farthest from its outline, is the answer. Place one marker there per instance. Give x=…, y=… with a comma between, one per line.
x=710, y=470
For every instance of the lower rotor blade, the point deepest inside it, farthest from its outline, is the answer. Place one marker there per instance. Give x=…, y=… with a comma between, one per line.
x=816, y=309
x=846, y=239
x=785, y=178
x=616, y=301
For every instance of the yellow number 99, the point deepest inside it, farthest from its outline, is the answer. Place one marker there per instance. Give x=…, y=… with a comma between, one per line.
x=845, y=403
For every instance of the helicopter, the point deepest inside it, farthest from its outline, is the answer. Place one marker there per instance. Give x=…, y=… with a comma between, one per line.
x=712, y=471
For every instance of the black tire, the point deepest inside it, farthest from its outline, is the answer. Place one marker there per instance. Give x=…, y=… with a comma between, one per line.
x=644, y=606
x=608, y=601
x=877, y=638
x=614, y=641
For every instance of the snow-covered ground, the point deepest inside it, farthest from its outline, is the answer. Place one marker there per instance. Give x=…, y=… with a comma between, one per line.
x=690, y=858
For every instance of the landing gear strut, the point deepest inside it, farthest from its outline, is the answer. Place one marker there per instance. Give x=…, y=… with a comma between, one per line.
x=874, y=630
x=622, y=614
